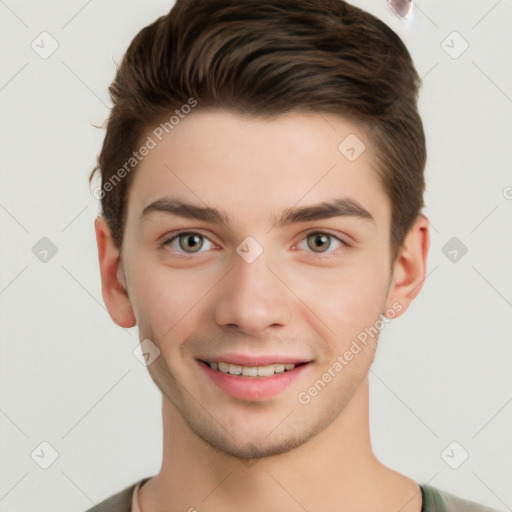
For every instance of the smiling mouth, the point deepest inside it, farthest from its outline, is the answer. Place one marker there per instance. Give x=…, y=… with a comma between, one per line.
x=252, y=371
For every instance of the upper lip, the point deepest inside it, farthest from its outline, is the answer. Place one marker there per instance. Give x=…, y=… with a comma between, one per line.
x=255, y=360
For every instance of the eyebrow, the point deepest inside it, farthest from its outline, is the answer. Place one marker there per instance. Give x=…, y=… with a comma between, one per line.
x=337, y=207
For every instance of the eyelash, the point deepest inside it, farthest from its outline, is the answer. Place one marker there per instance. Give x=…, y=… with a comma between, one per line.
x=167, y=241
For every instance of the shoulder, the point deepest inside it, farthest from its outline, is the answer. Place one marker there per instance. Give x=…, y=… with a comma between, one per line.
x=119, y=502
x=436, y=500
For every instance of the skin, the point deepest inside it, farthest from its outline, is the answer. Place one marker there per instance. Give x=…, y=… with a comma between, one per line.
x=272, y=454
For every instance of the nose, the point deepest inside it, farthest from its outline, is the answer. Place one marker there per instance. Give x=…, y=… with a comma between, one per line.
x=252, y=298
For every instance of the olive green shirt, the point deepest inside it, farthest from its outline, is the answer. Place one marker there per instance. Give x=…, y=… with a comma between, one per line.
x=433, y=500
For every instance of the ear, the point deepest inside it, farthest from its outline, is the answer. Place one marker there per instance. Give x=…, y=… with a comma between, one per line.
x=113, y=284
x=410, y=267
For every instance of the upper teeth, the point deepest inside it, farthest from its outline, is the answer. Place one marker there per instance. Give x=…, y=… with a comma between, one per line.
x=252, y=371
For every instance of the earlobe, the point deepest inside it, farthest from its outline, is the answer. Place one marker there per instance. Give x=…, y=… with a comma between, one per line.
x=410, y=266
x=113, y=283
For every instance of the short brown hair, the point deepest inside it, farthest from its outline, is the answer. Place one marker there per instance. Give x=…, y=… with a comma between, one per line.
x=266, y=58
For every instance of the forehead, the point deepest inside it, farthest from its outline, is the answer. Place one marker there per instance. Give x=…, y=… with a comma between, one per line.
x=254, y=164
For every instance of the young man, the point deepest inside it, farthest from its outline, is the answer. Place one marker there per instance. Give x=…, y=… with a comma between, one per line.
x=262, y=187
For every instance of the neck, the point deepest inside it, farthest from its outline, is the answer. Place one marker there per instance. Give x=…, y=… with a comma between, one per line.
x=334, y=469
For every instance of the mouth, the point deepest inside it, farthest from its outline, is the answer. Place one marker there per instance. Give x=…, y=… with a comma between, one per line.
x=253, y=379
x=252, y=371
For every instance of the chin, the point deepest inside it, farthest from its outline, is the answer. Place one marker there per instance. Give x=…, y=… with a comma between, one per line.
x=249, y=439
x=250, y=449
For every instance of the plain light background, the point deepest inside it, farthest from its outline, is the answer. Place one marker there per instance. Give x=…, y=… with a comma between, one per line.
x=68, y=375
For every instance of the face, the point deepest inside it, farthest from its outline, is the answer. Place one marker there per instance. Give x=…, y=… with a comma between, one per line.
x=256, y=247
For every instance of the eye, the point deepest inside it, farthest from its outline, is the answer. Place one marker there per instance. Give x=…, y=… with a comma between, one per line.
x=188, y=242
x=320, y=242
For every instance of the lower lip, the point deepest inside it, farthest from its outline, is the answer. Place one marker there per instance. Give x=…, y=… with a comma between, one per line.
x=253, y=388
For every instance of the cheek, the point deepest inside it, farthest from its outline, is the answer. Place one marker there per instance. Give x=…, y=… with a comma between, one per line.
x=346, y=300
x=160, y=296
x=169, y=304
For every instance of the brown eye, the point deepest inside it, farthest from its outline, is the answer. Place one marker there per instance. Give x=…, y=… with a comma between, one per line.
x=322, y=244
x=191, y=241
x=188, y=243
x=319, y=242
